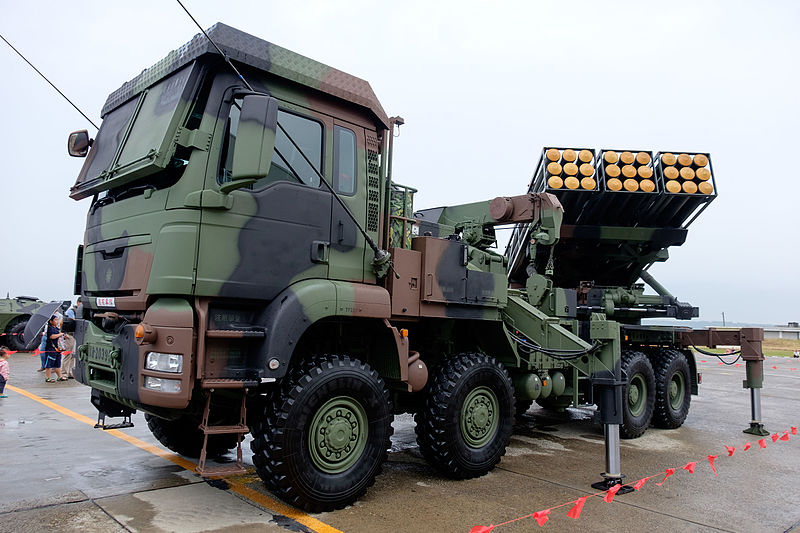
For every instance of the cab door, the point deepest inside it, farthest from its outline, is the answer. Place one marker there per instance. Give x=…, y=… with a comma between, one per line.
x=256, y=241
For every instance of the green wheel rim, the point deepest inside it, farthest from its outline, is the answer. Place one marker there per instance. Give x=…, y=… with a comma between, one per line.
x=480, y=417
x=637, y=395
x=677, y=388
x=338, y=434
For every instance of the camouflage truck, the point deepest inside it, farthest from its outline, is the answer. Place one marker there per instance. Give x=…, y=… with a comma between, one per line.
x=249, y=265
x=14, y=315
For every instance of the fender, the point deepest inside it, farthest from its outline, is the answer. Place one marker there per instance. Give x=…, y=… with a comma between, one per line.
x=293, y=311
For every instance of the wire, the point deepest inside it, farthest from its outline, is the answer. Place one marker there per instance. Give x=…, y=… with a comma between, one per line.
x=737, y=352
x=227, y=59
x=561, y=355
x=50, y=82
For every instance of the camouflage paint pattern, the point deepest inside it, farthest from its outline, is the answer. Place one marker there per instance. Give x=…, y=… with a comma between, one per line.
x=242, y=280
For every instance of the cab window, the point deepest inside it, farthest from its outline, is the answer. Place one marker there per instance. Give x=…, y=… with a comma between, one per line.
x=344, y=161
x=287, y=162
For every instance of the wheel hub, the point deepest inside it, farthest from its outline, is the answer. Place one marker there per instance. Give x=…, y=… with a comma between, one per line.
x=637, y=395
x=479, y=417
x=676, y=390
x=338, y=434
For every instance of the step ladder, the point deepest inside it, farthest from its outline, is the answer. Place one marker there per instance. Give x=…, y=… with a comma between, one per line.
x=237, y=429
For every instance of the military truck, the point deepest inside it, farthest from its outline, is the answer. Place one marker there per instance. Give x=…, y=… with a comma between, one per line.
x=14, y=315
x=250, y=265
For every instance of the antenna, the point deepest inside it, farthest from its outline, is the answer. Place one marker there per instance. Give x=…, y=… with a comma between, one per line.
x=50, y=82
x=223, y=54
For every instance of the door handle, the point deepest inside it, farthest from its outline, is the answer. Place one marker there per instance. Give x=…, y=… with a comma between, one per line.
x=319, y=251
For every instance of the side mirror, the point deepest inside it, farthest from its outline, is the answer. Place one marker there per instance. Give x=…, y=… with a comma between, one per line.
x=78, y=143
x=255, y=141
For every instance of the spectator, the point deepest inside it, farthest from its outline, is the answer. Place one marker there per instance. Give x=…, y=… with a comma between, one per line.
x=4, y=355
x=796, y=353
x=52, y=354
x=71, y=311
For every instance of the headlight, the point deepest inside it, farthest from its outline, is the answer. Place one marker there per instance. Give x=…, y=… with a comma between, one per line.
x=162, y=385
x=164, y=362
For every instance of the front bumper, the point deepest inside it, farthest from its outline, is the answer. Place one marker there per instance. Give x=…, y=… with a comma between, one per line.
x=115, y=364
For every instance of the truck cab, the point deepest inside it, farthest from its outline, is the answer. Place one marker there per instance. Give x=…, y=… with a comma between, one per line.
x=204, y=212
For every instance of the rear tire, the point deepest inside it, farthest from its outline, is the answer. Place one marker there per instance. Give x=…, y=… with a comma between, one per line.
x=638, y=395
x=467, y=418
x=325, y=435
x=16, y=338
x=183, y=436
x=673, y=389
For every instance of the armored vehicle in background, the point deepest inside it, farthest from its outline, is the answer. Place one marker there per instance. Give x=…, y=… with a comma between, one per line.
x=14, y=315
x=249, y=265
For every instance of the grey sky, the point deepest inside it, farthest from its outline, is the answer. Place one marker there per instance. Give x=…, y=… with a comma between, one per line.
x=483, y=87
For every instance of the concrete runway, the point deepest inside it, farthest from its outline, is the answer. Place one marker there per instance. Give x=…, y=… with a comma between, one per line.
x=60, y=474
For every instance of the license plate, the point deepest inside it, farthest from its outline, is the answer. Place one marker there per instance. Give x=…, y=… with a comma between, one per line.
x=105, y=302
x=100, y=354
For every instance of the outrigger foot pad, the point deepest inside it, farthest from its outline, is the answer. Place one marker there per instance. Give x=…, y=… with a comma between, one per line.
x=756, y=429
x=611, y=481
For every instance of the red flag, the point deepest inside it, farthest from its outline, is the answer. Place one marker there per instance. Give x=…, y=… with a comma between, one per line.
x=610, y=493
x=9, y=352
x=730, y=449
x=575, y=512
x=711, y=462
x=785, y=435
x=719, y=364
x=689, y=467
x=541, y=517
x=738, y=365
x=668, y=472
x=774, y=368
x=703, y=361
x=481, y=529
x=638, y=485
x=775, y=437
x=794, y=430
x=792, y=369
x=746, y=447
x=762, y=443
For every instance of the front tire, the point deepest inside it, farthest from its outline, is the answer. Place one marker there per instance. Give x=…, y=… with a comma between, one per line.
x=325, y=434
x=638, y=395
x=183, y=436
x=466, y=421
x=673, y=389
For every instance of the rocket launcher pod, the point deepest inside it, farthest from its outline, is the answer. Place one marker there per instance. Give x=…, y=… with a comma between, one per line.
x=626, y=222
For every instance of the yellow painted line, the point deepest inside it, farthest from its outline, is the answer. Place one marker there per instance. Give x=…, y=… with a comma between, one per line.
x=257, y=497
x=274, y=505
x=169, y=456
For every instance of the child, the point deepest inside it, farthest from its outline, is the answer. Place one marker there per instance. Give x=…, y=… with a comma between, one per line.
x=4, y=355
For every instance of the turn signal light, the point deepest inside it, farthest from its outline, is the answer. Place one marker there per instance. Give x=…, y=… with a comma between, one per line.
x=145, y=334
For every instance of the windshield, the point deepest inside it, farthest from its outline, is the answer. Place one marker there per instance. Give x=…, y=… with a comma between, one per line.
x=137, y=138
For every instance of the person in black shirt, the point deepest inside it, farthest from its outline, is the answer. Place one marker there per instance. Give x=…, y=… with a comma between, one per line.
x=52, y=355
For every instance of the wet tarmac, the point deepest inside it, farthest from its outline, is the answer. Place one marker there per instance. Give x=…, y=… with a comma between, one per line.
x=60, y=474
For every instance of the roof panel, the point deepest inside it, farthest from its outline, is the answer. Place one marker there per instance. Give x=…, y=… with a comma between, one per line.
x=250, y=50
